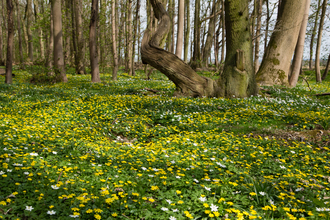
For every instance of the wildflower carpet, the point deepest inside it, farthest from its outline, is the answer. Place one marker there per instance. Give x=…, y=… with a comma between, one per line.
x=115, y=150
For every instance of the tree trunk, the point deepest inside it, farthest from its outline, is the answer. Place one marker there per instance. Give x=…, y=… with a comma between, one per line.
x=50, y=52
x=223, y=35
x=41, y=42
x=319, y=41
x=275, y=65
x=129, y=37
x=136, y=21
x=257, y=37
x=311, y=45
x=10, y=41
x=187, y=81
x=267, y=24
x=210, y=33
x=94, y=59
x=68, y=22
x=326, y=69
x=114, y=40
x=179, y=41
x=73, y=32
x=299, y=51
x=187, y=31
x=80, y=67
x=29, y=28
x=58, y=45
x=169, y=36
x=1, y=44
x=19, y=37
x=196, y=59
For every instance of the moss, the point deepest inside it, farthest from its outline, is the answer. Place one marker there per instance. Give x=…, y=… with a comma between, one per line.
x=275, y=61
x=281, y=75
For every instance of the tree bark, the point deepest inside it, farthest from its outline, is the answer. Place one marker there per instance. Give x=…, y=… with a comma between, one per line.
x=223, y=35
x=29, y=28
x=50, y=52
x=20, y=47
x=275, y=65
x=94, y=59
x=196, y=59
x=1, y=44
x=58, y=45
x=257, y=37
x=114, y=40
x=136, y=21
x=187, y=81
x=10, y=41
x=80, y=67
x=41, y=42
x=179, y=41
x=187, y=31
x=299, y=51
x=129, y=38
x=73, y=32
x=267, y=24
x=325, y=73
x=311, y=45
x=68, y=22
x=319, y=41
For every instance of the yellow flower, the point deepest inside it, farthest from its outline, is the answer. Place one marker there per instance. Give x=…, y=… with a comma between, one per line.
x=211, y=215
x=154, y=188
x=89, y=211
x=178, y=192
x=51, y=206
x=180, y=202
x=114, y=214
x=97, y=216
x=206, y=205
x=253, y=193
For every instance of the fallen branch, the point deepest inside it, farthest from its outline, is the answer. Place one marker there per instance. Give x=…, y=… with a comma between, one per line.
x=322, y=94
x=153, y=90
x=310, y=89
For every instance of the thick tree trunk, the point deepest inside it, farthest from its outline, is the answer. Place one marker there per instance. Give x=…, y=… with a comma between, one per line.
x=319, y=41
x=10, y=42
x=179, y=41
x=187, y=81
x=58, y=45
x=187, y=31
x=80, y=67
x=114, y=40
x=20, y=47
x=94, y=59
x=299, y=51
x=311, y=45
x=29, y=28
x=238, y=78
x=325, y=73
x=275, y=65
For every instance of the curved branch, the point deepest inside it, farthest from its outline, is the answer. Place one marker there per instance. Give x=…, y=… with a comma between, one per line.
x=187, y=81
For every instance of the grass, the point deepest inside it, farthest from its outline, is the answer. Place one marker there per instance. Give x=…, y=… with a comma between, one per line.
x=115, y=150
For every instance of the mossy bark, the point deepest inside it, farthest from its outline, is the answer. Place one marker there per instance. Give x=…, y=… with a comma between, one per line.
x=234, y=81
x=275, y=66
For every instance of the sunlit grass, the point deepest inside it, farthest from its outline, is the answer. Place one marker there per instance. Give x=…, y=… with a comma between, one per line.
x=114, y=150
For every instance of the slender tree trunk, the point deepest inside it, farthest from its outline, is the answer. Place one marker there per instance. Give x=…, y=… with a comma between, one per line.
x=196, y=61
x=275, y=66
x=223, y=34
x=41, y=42
x=50, y=52
x=267, y=24
x=94, y=60
x=311, y=45
x=137, y=18
x=73, y=32
x=29, y=28
x=257, y=37
x=319, y=41
x=114, y=40
x=179, y=41
x=10, y=42
x=210, y=33
x=68, y=22
x=19, y=37
x=129, y=37
x=1, y=44
x=325, y=73
x=80, y=67
x=187, y=32
x=173, y=26
x=299, y=51
x=169, y=36
x=58, y=45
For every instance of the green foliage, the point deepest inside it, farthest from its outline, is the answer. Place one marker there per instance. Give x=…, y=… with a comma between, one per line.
x=115, y=150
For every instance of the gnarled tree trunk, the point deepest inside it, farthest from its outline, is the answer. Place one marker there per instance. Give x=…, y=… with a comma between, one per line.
x=275, y=65
x=187, y=81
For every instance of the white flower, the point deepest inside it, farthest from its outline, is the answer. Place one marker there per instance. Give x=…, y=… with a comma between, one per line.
x=52, y=212
x=299, y=189
x=169, y=201
x=172, y=218
x=143, y=168
x=173, y=161
x=202, y=199
x=282, y=167
x=17, y=165
x=207, y=179
x=164, y=209
x=29, y=208
x=221, y=165
x=262, y=193
x=271, y=202
x=178, y=177
x=208, y=189
x=26, y=173
x=1, y=172
x=166, y=155
x=55, y=187
x=74, y=216
x=292, y=152
x=175, y=210
x=9, y=171
x=54, y=152
x=214, y=208
x=196, y=180
x=34, y=154
x=212, y=158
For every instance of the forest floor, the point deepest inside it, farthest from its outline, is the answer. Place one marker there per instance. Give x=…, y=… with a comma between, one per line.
x=129, y=150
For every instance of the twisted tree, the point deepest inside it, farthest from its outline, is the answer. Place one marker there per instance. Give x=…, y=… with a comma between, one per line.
x=237, y=79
